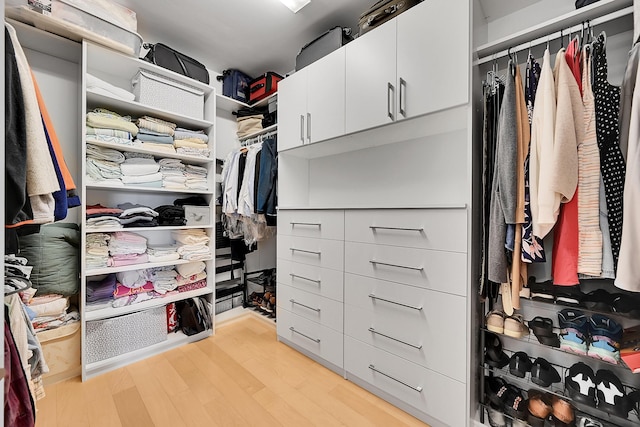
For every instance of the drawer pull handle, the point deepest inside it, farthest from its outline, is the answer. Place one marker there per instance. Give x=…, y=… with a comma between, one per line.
x=292, y=301
x=374, y=262
x=418, y=389
x=310, y=224
x=316, y=340
x=418, y=347
x=305, y=251
x=375, y=227
x=372, y=296
x=304, y=278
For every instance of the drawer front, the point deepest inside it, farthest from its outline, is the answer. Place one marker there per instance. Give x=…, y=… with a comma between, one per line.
x=426, y=327
x=436, y=270
x=434, y=394
x=317, y=280
x=313, y=337
x=443, y=229
x=324, y=224
x=317, y=252
x=318, y=309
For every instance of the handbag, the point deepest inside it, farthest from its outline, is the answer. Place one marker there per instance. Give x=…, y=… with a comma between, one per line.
x=163, y=56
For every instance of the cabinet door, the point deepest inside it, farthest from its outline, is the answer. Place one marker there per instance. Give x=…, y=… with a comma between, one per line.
x=433, y=57
x=292, y=110
x=371, y=79
x=326, y=97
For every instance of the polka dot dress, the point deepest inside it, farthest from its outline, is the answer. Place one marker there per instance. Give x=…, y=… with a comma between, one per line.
x=612, y=167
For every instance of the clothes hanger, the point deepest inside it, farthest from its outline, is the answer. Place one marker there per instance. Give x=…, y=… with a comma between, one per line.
x=15, y=284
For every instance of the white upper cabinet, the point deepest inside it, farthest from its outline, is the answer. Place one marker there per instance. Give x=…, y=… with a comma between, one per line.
x=371, y=79
x=415, y=64
x=311, y=102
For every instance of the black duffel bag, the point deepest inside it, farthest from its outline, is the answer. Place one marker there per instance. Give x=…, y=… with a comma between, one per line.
x=583, y=3
x=166, y=57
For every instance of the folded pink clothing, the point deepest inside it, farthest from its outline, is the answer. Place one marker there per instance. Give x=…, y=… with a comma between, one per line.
x=123, y=291
x=191, y=279
x=99, y=209
x=120, y=260
x=192, y=286
x=127, y=236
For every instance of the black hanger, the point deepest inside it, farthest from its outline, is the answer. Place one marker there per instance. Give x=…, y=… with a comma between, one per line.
x=15, y=284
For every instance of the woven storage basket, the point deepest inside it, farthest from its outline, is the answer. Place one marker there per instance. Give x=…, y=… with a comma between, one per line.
x=161, y=92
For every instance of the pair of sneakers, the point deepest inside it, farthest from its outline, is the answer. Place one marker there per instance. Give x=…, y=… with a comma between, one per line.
x=603, y=389
x=597, y=336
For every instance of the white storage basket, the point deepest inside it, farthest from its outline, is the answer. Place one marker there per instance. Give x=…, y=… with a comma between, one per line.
x=161, y=92
x=107, y=338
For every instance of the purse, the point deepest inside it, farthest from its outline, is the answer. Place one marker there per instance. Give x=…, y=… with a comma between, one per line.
x=163, y=56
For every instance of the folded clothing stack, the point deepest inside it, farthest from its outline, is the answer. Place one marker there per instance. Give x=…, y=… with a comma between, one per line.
x=156, y=134
x=192, y=244
x=103, y=165
x=99, y=216
x=162, y=253
x=97, y=250
x=171, y=215
x=173, y=173
x=127, y=248
x=163, y=279
x=140, y=170
x=102, y=290
x=191, y=276
x=191, y=142
x=196, y=178
x=134, y=215
x=50, y=311
x=106, y=126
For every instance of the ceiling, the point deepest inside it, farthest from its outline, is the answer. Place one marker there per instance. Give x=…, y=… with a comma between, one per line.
x=254, y=36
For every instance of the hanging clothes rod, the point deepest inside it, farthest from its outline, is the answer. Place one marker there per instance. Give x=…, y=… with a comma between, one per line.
x=257, y=139
x=555, y=35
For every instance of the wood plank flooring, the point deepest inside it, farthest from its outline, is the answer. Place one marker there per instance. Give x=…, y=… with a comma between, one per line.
x=240, y=377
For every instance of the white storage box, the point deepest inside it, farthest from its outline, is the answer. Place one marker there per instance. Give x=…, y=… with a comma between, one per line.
x=107, y=338
x=197, y=215
x=110, y=27
x=161, y=92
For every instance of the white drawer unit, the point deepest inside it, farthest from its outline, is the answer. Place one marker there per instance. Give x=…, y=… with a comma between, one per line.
x=441, y=397
x=317, y=280
x=324, y=224
x=322, y=310
x=317, y=252
x=413, y=323
x=323, y=342
x=443, y=229
x=436, y=270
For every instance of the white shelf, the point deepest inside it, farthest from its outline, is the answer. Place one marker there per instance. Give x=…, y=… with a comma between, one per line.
x=146, y=189
x=136, y=109
x=173, y=340
x=443, y=121
x=558, y=23
x=376, y=207
x=160, y=155
x=137, y=229
x=104, y=313
x=111, y=62
x=109, y=270
x=261, y=132
x=229, y=104
x=264, y=101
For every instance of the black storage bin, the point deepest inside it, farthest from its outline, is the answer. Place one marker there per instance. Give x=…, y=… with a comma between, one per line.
x=322, y=46
x=235, y=84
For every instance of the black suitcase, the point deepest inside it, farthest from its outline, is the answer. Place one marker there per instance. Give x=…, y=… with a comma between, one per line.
x=235, y=84
x=382, y=11
x=166, y=57
x=323, y=45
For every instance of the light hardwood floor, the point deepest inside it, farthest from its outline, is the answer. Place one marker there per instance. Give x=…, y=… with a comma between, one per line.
x=240, y=377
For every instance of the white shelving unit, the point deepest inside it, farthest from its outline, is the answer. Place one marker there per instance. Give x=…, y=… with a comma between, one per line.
x=119, y=69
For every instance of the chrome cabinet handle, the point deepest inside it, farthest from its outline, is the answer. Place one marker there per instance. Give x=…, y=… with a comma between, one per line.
x=304, y=278
x=292, y=329
x=376, y=227
x=374, y=262
x=309, y=127
x=305, y=251
x=292, y=301
x=310, y=224
x=395, y=339
x=372, y=296
x=302, y=128
x=390, y=96
x=403, y=84
x=418, y=388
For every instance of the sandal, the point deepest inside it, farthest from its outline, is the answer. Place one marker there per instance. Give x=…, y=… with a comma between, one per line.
x=544, y=373
x=514, y=326
x=543, y=330
x=495, y=321
x=494, y=356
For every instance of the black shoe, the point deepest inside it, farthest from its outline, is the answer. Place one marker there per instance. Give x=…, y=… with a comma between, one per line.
x=542, y=328
x=610, y=394
x=544, y=291
x=543, y=373
x=494, y=356
x=519, y=364
x=495, y=388
x=569, y=295
x=514, y=403
x=599, y=300
x=580, y=383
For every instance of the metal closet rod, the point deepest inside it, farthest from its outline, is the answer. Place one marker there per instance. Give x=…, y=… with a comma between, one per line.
x=556, y=35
